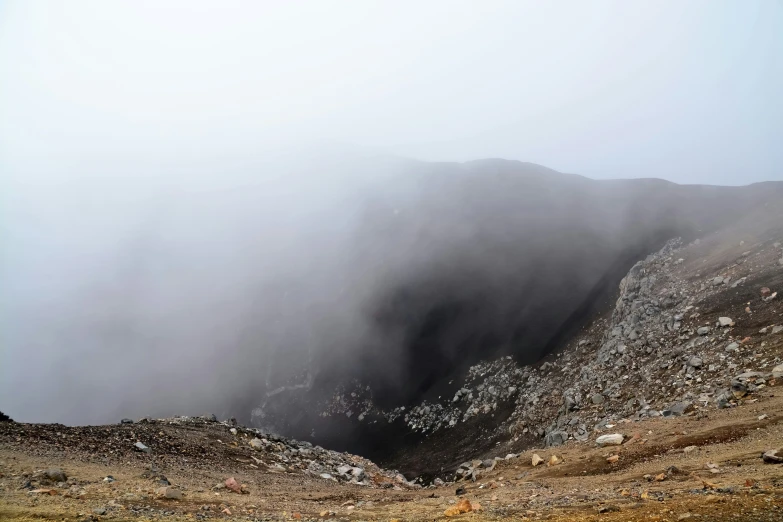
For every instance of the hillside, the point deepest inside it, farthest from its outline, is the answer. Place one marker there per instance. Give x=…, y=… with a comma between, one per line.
x=480, y=261
x=519, y=314
x=692, y=398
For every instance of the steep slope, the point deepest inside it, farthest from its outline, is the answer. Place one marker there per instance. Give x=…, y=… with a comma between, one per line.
x=484, y=260
x=678, y=356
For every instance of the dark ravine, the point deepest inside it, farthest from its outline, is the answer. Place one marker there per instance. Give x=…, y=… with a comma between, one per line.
x=502, y=258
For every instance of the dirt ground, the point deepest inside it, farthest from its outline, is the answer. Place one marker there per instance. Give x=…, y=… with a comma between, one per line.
x=705, y=467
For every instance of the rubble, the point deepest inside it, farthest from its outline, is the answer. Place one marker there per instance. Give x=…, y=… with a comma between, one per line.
x=269, y=452
x=657, y=356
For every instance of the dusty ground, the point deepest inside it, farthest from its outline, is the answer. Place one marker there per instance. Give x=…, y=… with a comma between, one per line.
x=742, y=487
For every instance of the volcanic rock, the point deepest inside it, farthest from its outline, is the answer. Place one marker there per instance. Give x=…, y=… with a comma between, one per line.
x=167, y=492
x=773, y=456
x=614, y=439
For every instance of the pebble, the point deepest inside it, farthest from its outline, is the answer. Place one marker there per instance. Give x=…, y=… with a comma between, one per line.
x=725, y=321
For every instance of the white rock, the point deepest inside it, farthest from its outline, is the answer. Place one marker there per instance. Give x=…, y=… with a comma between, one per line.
x=614, y=439
x=725, y=321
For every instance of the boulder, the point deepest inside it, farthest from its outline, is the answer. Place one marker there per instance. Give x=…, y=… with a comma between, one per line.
x=614, y=439
x=739, y=390
x=556, y=438
x=680, y=408
x=50, y=476
x=167, y=492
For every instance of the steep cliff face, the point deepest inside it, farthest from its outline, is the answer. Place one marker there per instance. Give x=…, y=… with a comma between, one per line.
x=483, y=261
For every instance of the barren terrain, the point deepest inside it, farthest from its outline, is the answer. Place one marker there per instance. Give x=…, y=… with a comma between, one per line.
x=707, y=468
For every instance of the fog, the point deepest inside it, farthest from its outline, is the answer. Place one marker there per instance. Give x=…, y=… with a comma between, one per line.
x=200, y=202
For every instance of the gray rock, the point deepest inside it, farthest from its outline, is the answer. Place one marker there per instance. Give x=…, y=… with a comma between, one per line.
x=597, y=398
x=777, y=329
x=773, y=456
x=717, y=281
x=556, y=438
x=126, y=421
x=257, y=444
x=725, y=321
x=739, y=389
x=738, y=282
x=141, y=447
x=748, y=376
x=704, y=330
x=52, y=475
x=733, y=347
x=695, y=361
x=99, y=511
x=680, y=408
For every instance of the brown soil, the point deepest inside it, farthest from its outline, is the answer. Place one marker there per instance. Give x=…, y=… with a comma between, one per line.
x=744, y=488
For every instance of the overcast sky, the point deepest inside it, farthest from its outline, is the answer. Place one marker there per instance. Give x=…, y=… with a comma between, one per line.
x=688, y=91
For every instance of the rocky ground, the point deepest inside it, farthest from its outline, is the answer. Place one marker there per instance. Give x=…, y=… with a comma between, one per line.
x=664, y=408
x=695, y=328
x=701, y=467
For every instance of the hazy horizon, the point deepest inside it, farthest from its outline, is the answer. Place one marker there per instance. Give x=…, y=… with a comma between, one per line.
x=687, y=92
